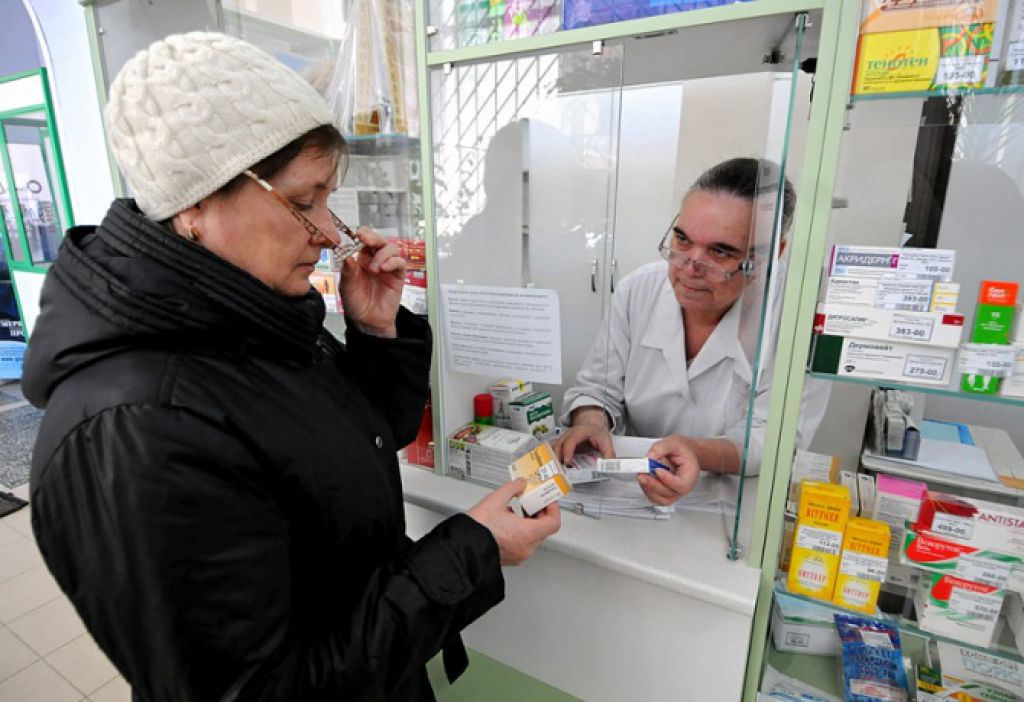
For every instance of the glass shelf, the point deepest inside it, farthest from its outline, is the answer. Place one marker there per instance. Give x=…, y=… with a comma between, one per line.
x=1005, y=647
x=383, y=144
x=928, y=389
x=961, y=92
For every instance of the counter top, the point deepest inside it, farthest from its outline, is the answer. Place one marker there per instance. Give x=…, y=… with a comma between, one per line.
x=686, y=554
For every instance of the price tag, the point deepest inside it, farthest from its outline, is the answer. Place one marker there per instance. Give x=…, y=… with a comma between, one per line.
x=865, y=567
x=924, y=367
x=957, y=70
x=976, y=605
x=929, y=264
x=911, y=329
x=898, y=294
x=821, y=540
x=953, y=525
x=878, y=639
x=987, y=359
x=1015, y=56
x=986, y=571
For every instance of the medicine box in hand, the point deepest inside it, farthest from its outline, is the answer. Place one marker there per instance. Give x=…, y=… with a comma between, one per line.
x=545, y=479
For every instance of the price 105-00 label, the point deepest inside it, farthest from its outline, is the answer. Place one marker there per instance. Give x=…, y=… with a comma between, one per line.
x=924, y=368
x=911, y=329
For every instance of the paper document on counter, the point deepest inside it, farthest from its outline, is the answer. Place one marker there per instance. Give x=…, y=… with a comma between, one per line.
x=949, y=457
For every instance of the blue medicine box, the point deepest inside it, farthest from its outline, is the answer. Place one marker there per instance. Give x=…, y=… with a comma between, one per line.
x=586, y=13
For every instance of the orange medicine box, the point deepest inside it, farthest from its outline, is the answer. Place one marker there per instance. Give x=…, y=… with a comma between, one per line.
x=863, y=565
x=821, y=520
x=545, y=480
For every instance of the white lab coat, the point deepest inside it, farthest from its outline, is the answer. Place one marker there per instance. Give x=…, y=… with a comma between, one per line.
x=636, y=370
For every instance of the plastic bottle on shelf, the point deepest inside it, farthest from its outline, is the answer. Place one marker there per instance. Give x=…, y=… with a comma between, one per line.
x=483, y=409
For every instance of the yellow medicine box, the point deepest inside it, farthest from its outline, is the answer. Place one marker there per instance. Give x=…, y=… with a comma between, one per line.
x=821, y=519
x=863, y=565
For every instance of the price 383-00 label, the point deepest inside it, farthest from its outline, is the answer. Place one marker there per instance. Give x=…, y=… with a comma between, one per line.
x=911, y=329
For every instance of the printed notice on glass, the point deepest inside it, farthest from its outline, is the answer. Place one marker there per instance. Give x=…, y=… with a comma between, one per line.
x=513, y=332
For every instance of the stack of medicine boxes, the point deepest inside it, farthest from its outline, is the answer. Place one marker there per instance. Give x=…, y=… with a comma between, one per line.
x=889, y=314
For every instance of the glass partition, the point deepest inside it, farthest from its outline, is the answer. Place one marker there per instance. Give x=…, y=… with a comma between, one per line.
x=563, y=174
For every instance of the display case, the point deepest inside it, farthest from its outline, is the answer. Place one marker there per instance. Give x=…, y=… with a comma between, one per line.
x=909, y=308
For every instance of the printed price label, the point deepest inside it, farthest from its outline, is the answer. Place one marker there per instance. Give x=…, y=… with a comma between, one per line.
x=953, y=525
x=928, y=264
x=924, y=367
x=987, y=359
x=976, y=605
x=911, y=329
x=878, y=639
x=547, y=471
x=821, y=540
x=897, y=294
x=954, y=70
x=862, y=566
x=1015, y=56
x=979, y=569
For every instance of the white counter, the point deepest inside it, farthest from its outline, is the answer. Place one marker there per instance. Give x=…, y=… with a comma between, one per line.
x=615, y=608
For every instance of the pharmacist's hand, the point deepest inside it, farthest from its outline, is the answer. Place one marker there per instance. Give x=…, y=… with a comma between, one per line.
x=667, y=486
x=597, y=436
x=517, y=536
x=371, y=284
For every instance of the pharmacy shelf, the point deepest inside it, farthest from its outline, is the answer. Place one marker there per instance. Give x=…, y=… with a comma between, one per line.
x=383, y=144
x=945, y=391
x=912, y=636
x=921, y=95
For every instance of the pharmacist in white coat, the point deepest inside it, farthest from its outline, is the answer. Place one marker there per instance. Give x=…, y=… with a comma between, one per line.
x=673, y=362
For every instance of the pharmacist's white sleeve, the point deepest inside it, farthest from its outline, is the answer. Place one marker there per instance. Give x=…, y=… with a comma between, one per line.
x=812, y=411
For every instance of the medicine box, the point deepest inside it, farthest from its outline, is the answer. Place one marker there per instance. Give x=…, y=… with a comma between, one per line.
x=970, y=675
x=958, y=608
x=1014, y=385
x=993, y=324
x=483, y=453
x=863, y=565
x=883, y=360
x=902, y=262
x=985, y=525
x=545, y=481
x=800, y=626
x=808, y=465
x=533, y=414
x=504, y=392
x=931, y=552
x=821, y=520
x=897, y=501
x=924, y=328
x=892, y=293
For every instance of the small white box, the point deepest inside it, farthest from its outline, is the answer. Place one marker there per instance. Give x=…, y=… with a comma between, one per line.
x=945, y=297
x=959, y=609
x=885, y=293
x=883, y=360
x=808, y=465
x=799, y=626
x=533, y=414
x=905, y=262
x=925, y=328
x=504, y=392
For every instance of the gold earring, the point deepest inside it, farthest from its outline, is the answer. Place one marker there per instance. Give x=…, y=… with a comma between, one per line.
x=193, y=235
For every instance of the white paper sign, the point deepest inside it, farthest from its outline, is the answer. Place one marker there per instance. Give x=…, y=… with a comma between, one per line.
x=954, y=70
x=1015, y=56
x=983, y=570
x=924, y=367
x=987, y=359
x=904, y=327
x=976, y=605
x=821, y=540
x=503, y=332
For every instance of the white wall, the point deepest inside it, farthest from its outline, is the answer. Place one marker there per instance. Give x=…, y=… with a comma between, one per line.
x=65, y=48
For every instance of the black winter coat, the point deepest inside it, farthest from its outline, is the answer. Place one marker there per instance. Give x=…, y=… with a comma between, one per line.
x=215, y=484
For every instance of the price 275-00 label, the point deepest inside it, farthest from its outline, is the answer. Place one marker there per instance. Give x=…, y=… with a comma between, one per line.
x=911, y=329
x=924, y=368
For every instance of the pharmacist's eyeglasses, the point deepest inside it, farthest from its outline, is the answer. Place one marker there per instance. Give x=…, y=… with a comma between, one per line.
x=678, y=250
x=338, y=245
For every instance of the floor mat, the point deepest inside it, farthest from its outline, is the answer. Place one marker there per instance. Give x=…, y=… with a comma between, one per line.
x=9, y=503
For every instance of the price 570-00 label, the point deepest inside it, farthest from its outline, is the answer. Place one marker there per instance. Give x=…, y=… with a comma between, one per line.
x=911, y=329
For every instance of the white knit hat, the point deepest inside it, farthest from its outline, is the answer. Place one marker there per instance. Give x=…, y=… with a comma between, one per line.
x=192, y=111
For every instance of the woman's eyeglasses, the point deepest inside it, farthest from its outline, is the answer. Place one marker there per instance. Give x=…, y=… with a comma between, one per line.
x=341, y=249
x=678, y=251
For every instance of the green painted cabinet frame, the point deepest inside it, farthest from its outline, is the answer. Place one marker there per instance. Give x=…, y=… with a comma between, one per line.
x=59, y=189
x=836, y=54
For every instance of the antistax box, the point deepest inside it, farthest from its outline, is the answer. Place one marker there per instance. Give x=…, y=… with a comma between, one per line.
x=985, y=525
x=817, y=543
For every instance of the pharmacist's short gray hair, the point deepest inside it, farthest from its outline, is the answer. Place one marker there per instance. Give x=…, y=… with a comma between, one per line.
x=740, y=177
